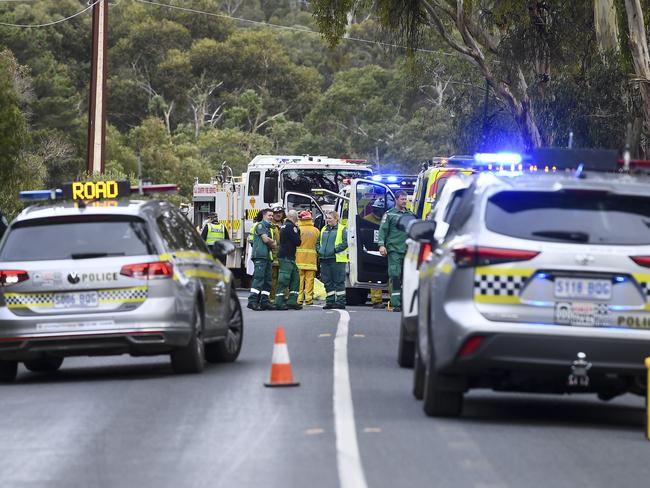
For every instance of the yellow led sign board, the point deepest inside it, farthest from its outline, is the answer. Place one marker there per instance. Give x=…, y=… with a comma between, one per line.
x=95, y=190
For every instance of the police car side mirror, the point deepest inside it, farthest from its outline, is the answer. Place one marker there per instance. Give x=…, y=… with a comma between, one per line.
x=421, y=230
x=221, y=248
x=403, y=222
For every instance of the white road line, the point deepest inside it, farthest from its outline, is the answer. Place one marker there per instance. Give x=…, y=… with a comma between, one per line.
x=348, y=459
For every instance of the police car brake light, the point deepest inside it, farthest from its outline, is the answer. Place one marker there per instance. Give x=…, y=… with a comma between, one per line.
x=641, y=260
x=156, y=270
x=426, y=249
x=471, y=256
x=12, y=276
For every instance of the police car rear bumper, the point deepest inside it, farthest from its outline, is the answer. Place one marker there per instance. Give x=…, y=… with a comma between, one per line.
x=154, y=328
x=534, y=349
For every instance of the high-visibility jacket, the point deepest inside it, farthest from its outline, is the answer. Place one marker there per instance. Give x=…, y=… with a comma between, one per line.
x=251, y=233
x=306, y=256
x=215, y=232
x=339, y=248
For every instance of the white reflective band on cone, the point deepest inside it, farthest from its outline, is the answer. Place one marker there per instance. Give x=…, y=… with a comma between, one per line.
x=280, y=354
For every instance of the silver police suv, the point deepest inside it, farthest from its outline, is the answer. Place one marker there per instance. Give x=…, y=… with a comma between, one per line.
x=108, y=278
x=541, y=285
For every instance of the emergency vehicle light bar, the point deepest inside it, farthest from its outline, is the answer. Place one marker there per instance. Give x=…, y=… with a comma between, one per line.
x=94, y=190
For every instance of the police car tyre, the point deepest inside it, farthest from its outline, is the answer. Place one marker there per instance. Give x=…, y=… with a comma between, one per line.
x=439, y=402
x=191, y=358
x=406, y=348
x=228, y=350
x=44, y=365
x=8, y=371
x=418, y=373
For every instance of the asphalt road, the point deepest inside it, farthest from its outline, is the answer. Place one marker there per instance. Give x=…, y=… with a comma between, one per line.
x=129, y=422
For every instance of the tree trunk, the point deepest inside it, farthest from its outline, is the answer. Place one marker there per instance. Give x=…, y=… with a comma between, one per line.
x=606, y=25
x=640, y=54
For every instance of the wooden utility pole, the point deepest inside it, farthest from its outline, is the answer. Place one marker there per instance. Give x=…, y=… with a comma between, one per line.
x=97, y=102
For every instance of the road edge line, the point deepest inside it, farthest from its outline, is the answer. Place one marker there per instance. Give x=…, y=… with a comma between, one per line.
x=348, y=459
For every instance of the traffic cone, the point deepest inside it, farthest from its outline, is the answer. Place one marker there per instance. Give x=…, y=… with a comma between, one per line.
x=281, y=374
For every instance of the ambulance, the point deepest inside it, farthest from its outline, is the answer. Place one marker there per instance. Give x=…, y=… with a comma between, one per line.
x=270, y=179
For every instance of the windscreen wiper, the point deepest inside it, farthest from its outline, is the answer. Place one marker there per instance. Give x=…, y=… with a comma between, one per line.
x=563, y=235
x=90, y=255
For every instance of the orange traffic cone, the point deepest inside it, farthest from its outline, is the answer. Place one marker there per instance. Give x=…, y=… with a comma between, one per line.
x=281, y=374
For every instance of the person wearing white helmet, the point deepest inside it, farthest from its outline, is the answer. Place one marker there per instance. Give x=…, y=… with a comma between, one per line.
x=276, y=223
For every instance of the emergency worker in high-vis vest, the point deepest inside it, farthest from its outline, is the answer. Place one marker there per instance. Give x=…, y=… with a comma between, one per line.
x=214, y=230
x=392, y=243
x=262, y=259
x=332, y=250
x=276, y=224
x=306, y=257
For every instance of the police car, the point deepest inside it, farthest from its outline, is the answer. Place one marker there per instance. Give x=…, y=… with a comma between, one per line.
x=541, y=285
x=96, y=274
x=417, y=252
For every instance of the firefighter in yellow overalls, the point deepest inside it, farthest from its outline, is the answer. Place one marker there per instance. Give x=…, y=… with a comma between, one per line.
x=214, y=230
x=306, y=257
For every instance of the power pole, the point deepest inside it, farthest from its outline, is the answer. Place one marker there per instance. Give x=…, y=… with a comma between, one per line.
x=97, y=102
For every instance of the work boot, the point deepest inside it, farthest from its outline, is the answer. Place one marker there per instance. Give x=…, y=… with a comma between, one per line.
x=397, y=309
x=281, y=307
x=339, y=306
x=267, y=306
x=379, y=305
x=253, y=306
x=328, y=306
x=297, y=306
x=309, y=303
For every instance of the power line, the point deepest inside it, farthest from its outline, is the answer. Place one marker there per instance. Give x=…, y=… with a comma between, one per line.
x=286, y=27
x=47, y=24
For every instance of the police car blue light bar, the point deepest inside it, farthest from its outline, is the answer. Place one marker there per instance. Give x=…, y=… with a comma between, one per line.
x=502, y=158
x=376, y=178
x=36, y=195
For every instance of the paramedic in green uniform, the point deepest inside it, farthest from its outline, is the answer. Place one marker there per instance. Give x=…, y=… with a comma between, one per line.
x=261, y=255
x=332, y=248
x=392, y=243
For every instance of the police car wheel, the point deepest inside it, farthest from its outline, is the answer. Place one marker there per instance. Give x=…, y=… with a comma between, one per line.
x=8, y=371
x=44, y=365
x=418, y=373
x=191, y=358
x=406, y=348
x=439, y=402
x=227, y=351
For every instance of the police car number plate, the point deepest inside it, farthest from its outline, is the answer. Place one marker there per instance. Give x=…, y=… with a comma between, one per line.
x=87, y=299
x=583, y=288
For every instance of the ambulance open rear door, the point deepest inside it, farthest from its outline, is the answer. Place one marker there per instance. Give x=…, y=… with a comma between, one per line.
x=369, y=201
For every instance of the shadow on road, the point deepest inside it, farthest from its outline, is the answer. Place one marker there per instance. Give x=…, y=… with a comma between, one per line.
x=560, y=411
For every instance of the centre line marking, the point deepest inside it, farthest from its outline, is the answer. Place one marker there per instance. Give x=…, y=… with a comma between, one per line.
x=348, y=460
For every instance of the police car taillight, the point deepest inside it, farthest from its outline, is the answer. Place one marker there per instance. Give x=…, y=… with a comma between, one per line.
x=426, y=249
x=641, y=260
x=484, y=256
x=12, y=276
x=159, y=269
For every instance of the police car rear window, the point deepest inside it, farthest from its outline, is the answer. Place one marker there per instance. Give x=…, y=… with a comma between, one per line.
x=582, y=217
x=76, y=237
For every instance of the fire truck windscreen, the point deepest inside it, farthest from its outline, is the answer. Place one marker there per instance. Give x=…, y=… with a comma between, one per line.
x=304, y=180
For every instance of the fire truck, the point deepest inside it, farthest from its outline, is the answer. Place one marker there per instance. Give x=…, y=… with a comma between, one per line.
x=270, y=179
